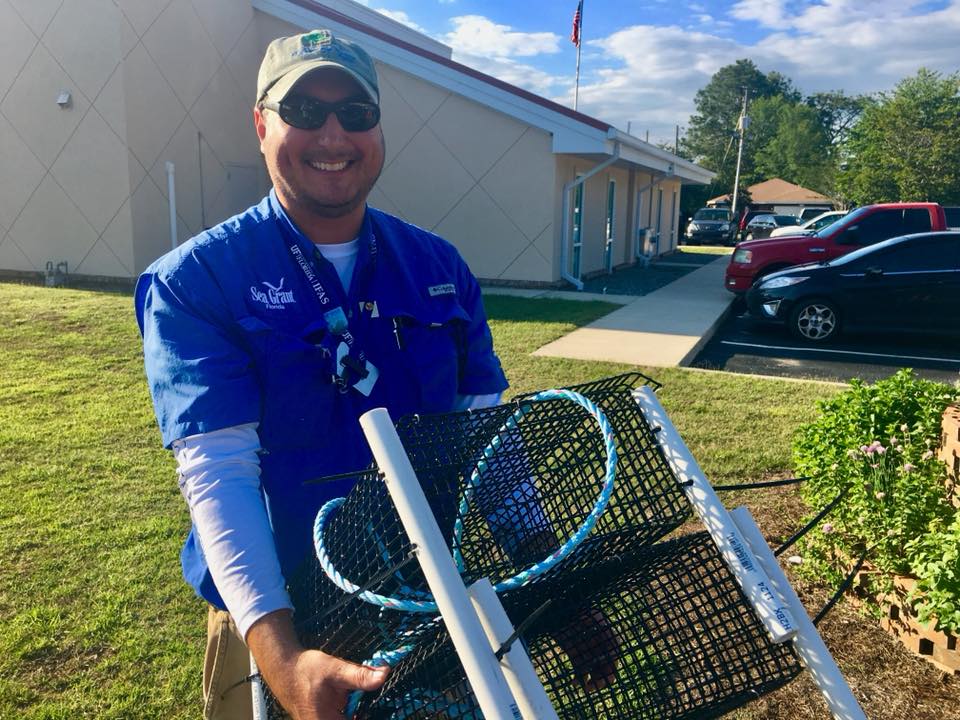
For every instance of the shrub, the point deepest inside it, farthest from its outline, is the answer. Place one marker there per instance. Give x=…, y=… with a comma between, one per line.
x=935, y=560
x=876, y=443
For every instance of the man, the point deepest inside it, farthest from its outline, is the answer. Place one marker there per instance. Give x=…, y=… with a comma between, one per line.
x=266, y=337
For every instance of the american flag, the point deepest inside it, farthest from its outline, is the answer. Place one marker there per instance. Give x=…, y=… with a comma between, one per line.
x=577, y=16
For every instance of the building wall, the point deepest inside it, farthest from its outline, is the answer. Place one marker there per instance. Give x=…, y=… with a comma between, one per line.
x=669, y=212
x=150, y=83
x=629, y=218
x=158, y=83
x=153, y=83
x=475, y=176
x=63, y=182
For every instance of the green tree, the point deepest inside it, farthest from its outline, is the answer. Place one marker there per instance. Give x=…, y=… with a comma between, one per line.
x=790, y=142
x=837, y=112
x=711, y=137
x=907, y=144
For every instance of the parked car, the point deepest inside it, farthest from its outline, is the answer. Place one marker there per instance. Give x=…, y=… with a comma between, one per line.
x=762, y=225
x=953, y=217
x=810, y=226
x=745, y=219
x=904, y=284
x=710, y=225
x=808, y=213
x=866, y=225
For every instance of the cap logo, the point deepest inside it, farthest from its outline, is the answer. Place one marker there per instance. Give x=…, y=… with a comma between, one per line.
x=311, y=42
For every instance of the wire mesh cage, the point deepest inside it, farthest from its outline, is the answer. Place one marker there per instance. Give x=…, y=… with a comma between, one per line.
x=625, y=625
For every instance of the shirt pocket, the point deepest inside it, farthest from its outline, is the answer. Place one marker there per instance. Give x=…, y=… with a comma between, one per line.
x=296, y=389
x=431, y=341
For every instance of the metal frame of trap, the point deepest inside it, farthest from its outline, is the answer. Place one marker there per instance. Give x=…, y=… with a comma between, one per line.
x=499, y=670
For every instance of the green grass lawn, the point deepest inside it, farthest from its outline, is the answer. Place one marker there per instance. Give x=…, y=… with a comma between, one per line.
x=95, y=621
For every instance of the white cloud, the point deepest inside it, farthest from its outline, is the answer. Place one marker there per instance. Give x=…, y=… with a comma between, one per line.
x=402, y=18
x=516, y=73
x=769, y=13
x=650, y=75
x=481, y=37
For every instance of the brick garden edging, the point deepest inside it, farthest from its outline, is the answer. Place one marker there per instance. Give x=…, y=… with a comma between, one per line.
x=950, y=449
x=935, y=646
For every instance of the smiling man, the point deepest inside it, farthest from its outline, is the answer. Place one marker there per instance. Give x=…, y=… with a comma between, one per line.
x=266, y=337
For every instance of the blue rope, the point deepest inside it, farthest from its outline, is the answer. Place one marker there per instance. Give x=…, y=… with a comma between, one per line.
x=407, y=604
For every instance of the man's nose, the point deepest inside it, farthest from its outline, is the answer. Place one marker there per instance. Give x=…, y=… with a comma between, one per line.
x=331, y=130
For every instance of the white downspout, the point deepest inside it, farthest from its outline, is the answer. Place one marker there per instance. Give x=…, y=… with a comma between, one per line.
x=565, y=227
x=172, y=202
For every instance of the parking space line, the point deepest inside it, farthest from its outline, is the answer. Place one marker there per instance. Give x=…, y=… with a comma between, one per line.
x=841, y=352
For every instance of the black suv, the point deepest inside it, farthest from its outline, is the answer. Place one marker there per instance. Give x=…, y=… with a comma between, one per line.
x=710, y=226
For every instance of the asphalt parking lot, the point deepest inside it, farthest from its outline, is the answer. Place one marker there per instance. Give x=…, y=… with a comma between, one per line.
x=740, y=345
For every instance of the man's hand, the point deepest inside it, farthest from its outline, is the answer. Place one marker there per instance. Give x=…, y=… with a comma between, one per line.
x=310, y=684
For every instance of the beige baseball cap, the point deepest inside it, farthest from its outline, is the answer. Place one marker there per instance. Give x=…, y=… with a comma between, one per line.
x=290, y=58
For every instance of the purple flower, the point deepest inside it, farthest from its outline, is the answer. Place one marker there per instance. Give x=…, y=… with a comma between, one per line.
x=927, y=455
x=827, y=528
x=907, y=467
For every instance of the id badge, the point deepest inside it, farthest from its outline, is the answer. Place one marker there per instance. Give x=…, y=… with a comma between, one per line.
x=365, y=385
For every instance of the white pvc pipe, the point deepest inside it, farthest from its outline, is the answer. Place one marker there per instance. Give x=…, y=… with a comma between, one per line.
x=257, y=696
x=172, y=202
x=517, y=668
x=479, y=662
x=810, y=646
x=772, y=611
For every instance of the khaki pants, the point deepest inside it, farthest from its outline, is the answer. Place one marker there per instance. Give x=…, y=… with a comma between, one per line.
x=226, y=667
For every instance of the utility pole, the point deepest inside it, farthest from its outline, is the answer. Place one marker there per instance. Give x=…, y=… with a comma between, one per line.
x=742, y=124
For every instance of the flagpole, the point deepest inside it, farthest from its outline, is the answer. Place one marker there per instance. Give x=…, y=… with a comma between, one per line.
x=576, y=92
x=579, y=35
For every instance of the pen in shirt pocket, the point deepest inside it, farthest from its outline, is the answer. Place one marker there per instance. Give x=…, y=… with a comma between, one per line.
x=397, y=327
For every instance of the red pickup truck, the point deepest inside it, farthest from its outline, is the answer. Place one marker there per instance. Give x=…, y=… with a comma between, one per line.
x=864, y=226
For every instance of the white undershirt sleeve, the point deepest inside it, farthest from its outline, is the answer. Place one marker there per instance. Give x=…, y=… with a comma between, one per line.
x=220, y=480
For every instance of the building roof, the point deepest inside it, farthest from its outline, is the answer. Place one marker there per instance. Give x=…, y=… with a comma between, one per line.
x=573, y=132
x=779, y=192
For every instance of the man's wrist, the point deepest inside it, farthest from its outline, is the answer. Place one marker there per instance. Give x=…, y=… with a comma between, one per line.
x=273, y=641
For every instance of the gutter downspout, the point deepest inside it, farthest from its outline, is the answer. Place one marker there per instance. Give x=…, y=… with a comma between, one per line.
x=172, y=202
x=565, y=228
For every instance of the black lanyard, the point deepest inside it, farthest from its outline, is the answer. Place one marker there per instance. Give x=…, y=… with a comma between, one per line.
x=354, y=363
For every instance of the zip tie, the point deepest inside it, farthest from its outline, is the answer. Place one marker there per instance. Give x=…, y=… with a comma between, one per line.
x=761, y=485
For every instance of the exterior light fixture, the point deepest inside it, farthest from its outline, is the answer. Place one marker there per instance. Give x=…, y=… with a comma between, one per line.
x=63, y=99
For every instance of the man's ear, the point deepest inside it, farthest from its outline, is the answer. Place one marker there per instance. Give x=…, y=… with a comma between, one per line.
x=260, y=123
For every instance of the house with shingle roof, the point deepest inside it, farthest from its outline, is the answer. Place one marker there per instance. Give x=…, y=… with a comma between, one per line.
x=781, y=197
x=126, y=128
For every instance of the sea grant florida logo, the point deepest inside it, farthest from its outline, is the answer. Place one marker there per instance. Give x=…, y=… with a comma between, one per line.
x=275, y=297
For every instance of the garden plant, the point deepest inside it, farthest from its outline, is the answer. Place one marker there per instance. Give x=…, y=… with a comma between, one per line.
x=874, y=446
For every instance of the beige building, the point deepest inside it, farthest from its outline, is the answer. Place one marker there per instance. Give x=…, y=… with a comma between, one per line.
x=106, y=104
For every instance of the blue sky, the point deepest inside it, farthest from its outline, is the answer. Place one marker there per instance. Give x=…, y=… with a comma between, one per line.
x=644, y=60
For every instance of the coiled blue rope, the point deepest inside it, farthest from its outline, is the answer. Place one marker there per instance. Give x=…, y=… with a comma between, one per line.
x=407, y=604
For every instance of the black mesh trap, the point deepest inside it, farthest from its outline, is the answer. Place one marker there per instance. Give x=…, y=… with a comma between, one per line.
x=628, y=626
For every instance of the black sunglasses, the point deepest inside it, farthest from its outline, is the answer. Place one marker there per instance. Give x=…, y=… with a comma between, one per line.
x=307, y=113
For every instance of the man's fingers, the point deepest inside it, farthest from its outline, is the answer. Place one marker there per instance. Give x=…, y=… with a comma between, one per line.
x=351, y=676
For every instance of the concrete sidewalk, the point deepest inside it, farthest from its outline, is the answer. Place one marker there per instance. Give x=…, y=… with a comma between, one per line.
x=666, y=328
